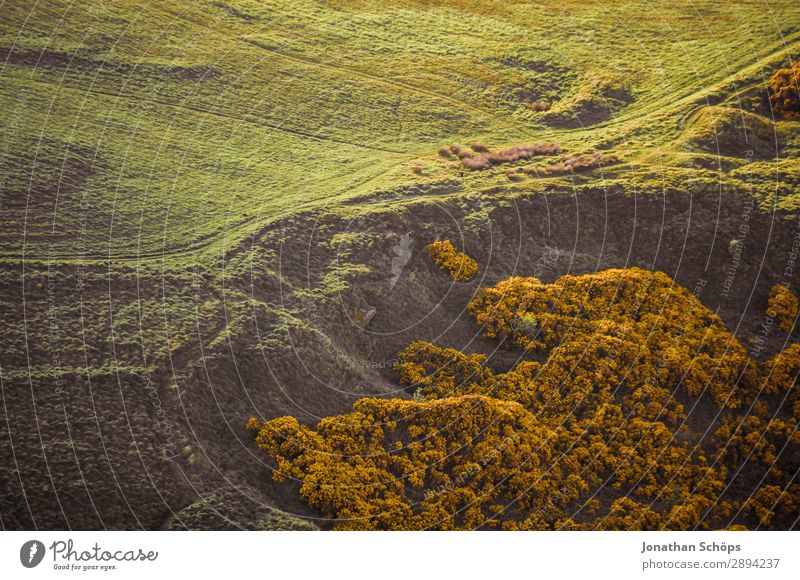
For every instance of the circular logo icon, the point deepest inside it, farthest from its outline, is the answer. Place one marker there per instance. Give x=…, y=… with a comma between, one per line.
x=31, y=553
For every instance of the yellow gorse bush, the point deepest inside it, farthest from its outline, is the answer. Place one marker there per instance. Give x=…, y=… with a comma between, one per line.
x=456, y=457
x=601, y=432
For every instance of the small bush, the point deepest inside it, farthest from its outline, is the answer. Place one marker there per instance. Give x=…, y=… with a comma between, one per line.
x=462, y=268
x=605, y=415
x=784, y=93
x=480, y=157
x=539, y=106
x=783, y=305
x=459, y=151
x=418, y=169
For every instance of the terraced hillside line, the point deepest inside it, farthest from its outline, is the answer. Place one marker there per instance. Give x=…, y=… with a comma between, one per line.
x=376, y=79
x=350, y=71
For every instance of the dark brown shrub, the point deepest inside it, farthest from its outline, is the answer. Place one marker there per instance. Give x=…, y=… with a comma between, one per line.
x=530, y=170
x=573, y=164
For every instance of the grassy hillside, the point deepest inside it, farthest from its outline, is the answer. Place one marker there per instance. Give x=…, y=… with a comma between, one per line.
x=200, y=202
x=162, y=129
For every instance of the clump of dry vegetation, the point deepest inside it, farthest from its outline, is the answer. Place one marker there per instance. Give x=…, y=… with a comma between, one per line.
x=784, y=90
x=462, y=268
x=573, y=164
x=478, y=156
x=595, y=437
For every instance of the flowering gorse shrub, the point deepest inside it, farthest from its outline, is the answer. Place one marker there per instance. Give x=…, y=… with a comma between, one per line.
x=461, y=267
